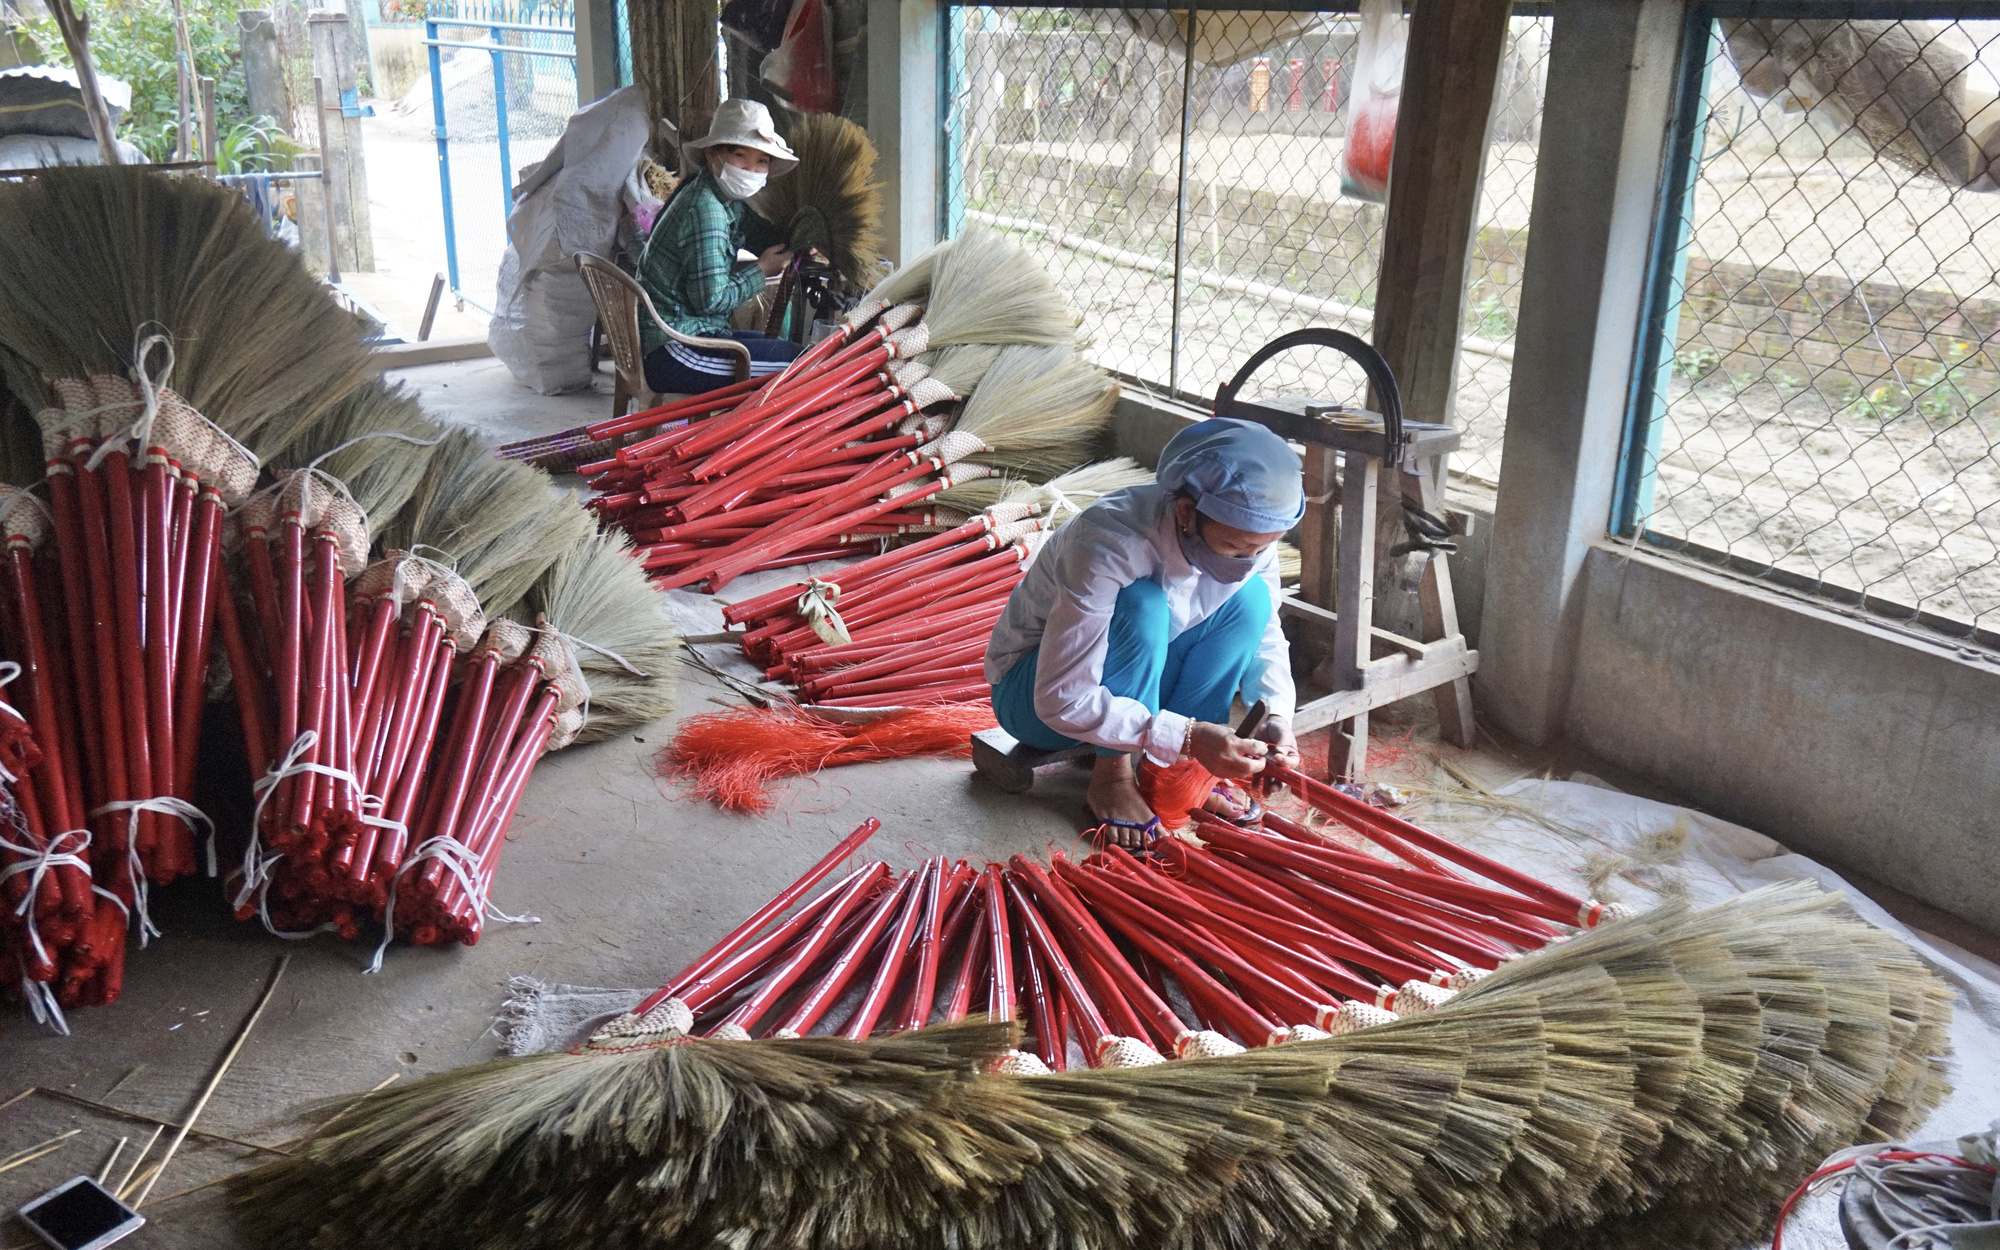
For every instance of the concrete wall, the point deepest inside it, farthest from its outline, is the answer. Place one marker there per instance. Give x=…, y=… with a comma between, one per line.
x=1870, y=751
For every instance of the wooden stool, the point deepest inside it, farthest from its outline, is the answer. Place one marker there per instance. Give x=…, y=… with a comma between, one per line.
x=1011, y=764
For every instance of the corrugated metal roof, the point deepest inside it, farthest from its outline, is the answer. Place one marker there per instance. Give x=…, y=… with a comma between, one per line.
x=116, y=92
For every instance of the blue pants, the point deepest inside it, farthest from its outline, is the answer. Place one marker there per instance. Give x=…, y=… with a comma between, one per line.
x=675, y=369
x=1196, y=674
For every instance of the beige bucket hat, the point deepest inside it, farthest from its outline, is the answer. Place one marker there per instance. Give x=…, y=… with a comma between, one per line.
x=747, y=124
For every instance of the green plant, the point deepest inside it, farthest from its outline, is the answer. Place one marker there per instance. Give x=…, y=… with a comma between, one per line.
x=133, y=41
x=1787, y=383
x=1488, y=315
x=1881, y=403
x=1696, y=363
x=255, y=145
x=1940, y=388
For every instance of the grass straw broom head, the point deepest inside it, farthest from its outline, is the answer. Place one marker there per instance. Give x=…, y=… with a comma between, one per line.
x=21, y=455
x=1041, y=411
x=831, y=202
x=499, y=523
x=987, y=288
x=960, y=368
x=597, y=594
x=1056, y=500
x=97, y=257
x=376, y=441
x=1521, y=1113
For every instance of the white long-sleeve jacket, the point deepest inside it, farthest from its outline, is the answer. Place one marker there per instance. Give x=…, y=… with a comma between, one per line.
x=1062, y=609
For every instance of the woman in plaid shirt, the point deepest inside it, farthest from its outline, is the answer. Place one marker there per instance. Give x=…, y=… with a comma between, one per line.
x=689, y=266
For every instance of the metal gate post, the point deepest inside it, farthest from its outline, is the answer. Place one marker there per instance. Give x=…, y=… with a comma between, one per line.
x=444, y=156
x=500, y=124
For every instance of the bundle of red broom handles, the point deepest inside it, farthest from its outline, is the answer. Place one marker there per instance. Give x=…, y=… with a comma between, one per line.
x=1196, y=948
x=110, y=600
x=832, y=453
x=604, y=436
x=907, y=627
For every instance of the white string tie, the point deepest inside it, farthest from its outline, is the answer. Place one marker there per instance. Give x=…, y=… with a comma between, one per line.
x=41, y=1001
x=38, y=864
x=141, y=431
x=167, y=805
x=362, y=438
x=256, y=867
x=817, y=606
x=462, y=863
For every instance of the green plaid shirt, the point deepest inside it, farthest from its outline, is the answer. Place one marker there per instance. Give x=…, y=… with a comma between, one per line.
x=688, y=265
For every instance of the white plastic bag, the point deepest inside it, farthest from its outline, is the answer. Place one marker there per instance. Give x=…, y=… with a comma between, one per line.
x=571, y=202
x=1371, y=105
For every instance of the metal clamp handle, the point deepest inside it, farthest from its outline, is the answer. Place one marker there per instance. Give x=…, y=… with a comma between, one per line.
x=1380, y=378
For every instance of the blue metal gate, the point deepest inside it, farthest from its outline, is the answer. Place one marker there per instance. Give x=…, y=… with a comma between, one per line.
x=492, y=120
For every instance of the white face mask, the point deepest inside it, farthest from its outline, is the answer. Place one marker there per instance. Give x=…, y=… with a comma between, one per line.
x=737, y=182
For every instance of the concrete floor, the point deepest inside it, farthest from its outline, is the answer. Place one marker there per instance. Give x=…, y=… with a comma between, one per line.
x=629, y=883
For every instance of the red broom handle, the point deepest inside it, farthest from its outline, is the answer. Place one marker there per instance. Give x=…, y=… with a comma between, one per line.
x=699, y=990
x=874, y=623
x=659, y=444
x=1157, y=935
x=1369, y=821
x=1309, y=943
x=840, y=975
x=1431, y=888
x=930, y=934
x=71, y=560
x=202, y=595
x=1000, y=960
x=754, y=609
x=854, y=594
x=1402, y=850
x=762, y=916
x=1050, y=958
x=1377, y=889
x=899, y=633
x=752, y=551
x=971, y=692
x=887, y=972
x=1366, y=915
x=1051, y=1042
x=948, y=650
x=1121, y=989
x=40, y=693
x=970, y=973
x=959, y=675
x=863, y=653
x=703, y=403
x=804, y=428
x=751, y=415
x=752, y=1010
x=1222, y=878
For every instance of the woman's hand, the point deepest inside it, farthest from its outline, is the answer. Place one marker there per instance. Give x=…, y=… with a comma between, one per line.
x=1277, y=731
x=774, y=259
x=1223, y=753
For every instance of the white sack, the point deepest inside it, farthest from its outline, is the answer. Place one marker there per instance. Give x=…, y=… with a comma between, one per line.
x=569, y=203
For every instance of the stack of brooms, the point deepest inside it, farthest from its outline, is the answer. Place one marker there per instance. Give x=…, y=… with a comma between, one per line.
x=1660, y=1080
x=403, y=623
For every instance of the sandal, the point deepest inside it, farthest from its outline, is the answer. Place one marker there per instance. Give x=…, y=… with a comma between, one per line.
x=1147, y=830
x=1251, y=816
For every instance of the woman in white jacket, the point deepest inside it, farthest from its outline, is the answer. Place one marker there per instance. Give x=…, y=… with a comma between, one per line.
x=1147, y=614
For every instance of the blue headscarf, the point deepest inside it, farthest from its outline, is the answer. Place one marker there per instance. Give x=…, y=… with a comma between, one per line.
x=1239, y=472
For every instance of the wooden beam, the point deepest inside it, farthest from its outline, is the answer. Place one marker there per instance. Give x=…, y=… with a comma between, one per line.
x=1390, y=680
x=1449, y=73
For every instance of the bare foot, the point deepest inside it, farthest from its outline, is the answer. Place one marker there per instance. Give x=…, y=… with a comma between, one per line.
x=1114, y=795
x=1230, y=802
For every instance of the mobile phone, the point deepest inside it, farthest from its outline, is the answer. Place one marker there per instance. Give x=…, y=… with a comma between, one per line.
x=79, y=1214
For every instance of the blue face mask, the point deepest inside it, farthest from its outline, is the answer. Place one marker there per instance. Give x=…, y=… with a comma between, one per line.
x=1204, y=557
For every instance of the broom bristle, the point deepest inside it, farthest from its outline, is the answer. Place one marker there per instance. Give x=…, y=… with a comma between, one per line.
x=1042, y=410
x=500, y=523
x=1066, y=494
x=912, y=282
x=831, y=201
x=387, y=429
x=989, y=289
x=597, y=594
x=98, y=256
x=960, y=368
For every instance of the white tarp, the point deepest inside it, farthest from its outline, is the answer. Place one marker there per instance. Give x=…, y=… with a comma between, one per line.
x=568, y=203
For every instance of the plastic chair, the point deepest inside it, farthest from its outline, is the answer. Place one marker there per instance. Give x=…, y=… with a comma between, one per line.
x=619, y=298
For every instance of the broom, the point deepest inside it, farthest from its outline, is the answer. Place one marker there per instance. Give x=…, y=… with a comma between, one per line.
x=830, y=202
x=1427, y=1131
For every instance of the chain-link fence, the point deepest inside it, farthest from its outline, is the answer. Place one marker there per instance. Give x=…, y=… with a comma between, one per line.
x=1184, y=187
x=503, y=85
x=1824, y=383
